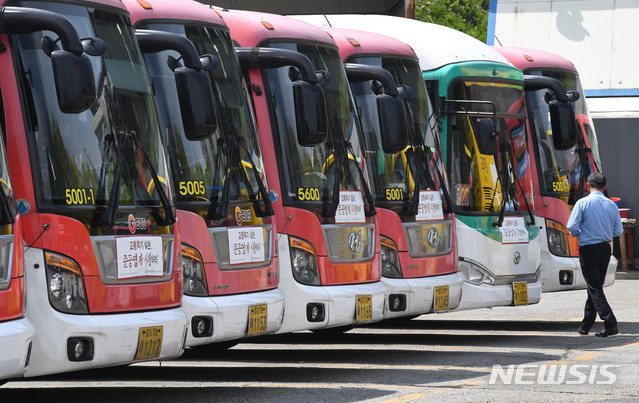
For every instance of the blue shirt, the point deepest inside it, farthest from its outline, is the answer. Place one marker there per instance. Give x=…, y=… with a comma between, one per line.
x=594, y=219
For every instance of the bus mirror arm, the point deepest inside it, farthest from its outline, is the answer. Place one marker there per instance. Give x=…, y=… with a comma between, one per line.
x=72, y=70
x=152, y=41
x=264, y=58
x=573, y=95
x=195, y=93
x=361, y=72
x=535, y=83
x=24, y=20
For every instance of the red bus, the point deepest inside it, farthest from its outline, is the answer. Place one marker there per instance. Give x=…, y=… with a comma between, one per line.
x=229, y=257
x=560, y=172
x=16, y=331
x=102, y=254
x=327, y=234
x=418, y=242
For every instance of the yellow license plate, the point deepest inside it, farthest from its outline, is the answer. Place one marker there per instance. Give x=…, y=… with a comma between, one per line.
x=364, y=308
x=149, y=343
x=520, y=291
x=441, y=298
x=257, y=319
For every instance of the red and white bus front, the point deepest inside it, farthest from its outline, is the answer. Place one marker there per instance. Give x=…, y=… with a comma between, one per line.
x=560, y=178
x=102, y=255
x=327, y=236
x=418, y=243
x=229, y=259
x=16, y=331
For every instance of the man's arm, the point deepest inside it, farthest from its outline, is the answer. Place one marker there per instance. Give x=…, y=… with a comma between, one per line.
x=618, y=229
x=574, y=221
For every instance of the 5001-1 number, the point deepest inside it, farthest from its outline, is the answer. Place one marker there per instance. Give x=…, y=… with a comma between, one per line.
x=79, y=196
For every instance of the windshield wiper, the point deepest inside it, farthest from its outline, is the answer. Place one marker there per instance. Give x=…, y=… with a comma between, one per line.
x=507, y=185
x=108, y=219
x=125, y=140
x=232, y=145
x=341, y=151
x=421, y=163
x=438, y=146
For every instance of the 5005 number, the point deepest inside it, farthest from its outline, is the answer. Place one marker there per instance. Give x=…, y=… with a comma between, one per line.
x=191, y=188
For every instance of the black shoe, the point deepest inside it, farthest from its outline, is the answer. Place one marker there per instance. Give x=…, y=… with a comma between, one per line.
x=582, y=331
x=607, y=332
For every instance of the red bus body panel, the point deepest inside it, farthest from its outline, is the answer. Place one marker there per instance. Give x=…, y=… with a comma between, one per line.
x=531, y=59
x=194, y=230
x=353, y=43
x=66, y=235
x=248, y=31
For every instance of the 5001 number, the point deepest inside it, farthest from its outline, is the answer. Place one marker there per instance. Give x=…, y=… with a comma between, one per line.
x=560, y=187
x=191, y=188
x=79, y=196
x=312, y=194
x=394, y=194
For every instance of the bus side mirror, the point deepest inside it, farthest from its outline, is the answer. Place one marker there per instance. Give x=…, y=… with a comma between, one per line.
x=197, y=105
x=564, y=129
x=310, y=113
x=392, y=123
x=73, y=77
x=486, y=136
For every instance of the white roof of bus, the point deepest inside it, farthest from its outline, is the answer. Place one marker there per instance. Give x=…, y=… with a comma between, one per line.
x=435, y=45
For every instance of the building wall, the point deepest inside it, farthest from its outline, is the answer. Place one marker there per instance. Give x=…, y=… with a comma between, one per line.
x=395, y=7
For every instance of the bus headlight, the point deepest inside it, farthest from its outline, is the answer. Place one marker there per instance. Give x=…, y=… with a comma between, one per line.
x=193, y=273
x=304, y=262
x=474, y=273
x=557, y=238
x=390, y=258
x=66, y=288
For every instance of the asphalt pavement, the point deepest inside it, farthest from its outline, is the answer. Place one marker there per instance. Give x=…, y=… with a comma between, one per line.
x=504, y=354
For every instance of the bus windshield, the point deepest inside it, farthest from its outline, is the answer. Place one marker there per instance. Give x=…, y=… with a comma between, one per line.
x=394, y=174
x=308, y=173
x=484, y=183
x=232, y=154
x=562, y=172
x=110, y=154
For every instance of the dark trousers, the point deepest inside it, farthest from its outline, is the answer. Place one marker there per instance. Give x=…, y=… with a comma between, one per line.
x=594, y=261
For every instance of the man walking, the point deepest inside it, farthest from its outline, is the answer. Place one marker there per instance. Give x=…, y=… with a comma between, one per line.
x=595, y=221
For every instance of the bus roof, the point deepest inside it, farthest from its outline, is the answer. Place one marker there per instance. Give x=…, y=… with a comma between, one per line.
x=172, y=10
x=352, y=42
x=249, y=28
x=435, y=45
x=524, y=59
x=110, y=3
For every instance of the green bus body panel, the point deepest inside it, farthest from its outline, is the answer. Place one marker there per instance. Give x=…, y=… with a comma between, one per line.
x=472, y=69
x=484, y=225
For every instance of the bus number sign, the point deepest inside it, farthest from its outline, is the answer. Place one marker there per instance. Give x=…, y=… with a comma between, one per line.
x=75, y=196
x=308, y=194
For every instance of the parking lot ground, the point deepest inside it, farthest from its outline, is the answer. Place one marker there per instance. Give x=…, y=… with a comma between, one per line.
x=529, y=353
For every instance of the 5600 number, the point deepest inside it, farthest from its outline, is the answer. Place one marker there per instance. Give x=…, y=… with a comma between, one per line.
x=192, y=188
x=312, y=194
